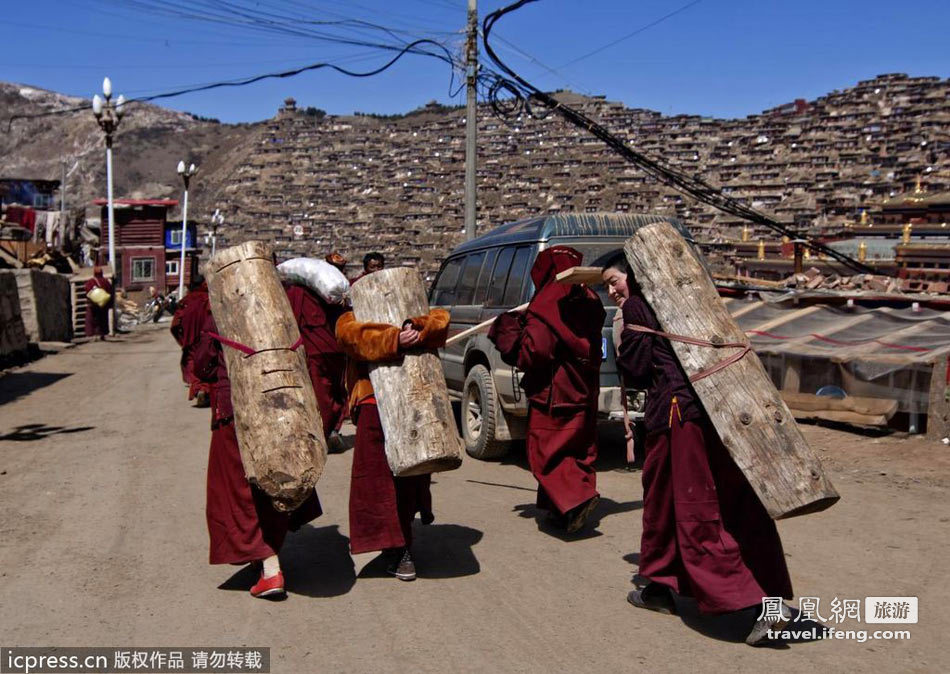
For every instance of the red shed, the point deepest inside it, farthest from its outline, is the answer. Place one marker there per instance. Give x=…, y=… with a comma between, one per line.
x=141, y=245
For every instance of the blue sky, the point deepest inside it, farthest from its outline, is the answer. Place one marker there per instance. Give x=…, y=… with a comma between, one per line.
x=727, y=58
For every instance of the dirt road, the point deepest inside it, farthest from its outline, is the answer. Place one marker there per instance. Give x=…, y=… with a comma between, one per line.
x=103, y=542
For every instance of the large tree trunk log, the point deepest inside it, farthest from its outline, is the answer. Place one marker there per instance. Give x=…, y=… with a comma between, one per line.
x=753, y=422
x=413, y=401
x=275, y=410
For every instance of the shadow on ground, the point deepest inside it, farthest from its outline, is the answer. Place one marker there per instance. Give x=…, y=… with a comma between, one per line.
x=438, y=550
x=734, y=627
x=15, y=385
x=30, y=432
x=315, y=561
x=605, y=508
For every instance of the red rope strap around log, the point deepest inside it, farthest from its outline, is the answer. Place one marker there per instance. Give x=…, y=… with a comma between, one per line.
x=246, y=350
x=702, y=374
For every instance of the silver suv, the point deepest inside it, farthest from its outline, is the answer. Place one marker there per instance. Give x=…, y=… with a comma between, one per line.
x=489, y=275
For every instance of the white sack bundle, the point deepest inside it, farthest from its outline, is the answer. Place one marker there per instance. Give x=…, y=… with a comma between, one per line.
x=321, y=277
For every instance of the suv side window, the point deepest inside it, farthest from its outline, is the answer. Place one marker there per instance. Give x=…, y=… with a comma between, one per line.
x=466, y=287
x=481, y=290
x=496, y=288
x=443, y=292
x=516, y=279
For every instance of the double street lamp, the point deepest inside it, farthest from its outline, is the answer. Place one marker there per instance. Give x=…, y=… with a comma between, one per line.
x=216, y=221
x=108, y=115
x=186, y=175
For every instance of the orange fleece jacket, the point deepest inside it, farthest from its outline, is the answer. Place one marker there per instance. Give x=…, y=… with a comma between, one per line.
x=379, y=342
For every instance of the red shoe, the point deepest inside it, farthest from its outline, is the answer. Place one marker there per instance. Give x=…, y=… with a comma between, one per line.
x=269, y=587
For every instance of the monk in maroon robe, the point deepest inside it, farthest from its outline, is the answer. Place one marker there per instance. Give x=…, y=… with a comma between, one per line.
x=186, y=329
x=556, y=342
x=243, y=525
x=97, y=318
x=326, y=362
x=705, y=533
x=382, y=506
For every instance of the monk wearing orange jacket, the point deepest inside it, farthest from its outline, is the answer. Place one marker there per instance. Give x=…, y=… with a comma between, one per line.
x=382, y=506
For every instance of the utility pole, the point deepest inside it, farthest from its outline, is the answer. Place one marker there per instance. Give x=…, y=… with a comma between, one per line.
x=62, y=210
x=471, y=73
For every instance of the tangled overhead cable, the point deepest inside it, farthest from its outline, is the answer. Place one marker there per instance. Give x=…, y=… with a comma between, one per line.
x=512, y=96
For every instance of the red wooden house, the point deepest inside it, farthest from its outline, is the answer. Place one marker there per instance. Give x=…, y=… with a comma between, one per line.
x=147, y=246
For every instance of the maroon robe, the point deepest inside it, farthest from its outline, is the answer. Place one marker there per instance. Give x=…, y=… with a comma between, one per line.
x=557, y=344
x=382, y=506
x=325, y=360
x=186, y=329
x=97, y=318
x=705, y=533
x=242, y=523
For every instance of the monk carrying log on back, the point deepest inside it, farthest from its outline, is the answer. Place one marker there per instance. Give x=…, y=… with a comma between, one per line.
x=382, y=505
x=705, y=533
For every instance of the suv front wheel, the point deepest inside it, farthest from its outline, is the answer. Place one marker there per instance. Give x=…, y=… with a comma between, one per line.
x=479, y=415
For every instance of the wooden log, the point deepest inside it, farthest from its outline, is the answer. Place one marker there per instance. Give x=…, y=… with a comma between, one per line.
x=275, y=410
x=413, y=401
x=938, y=409
x=753, y=422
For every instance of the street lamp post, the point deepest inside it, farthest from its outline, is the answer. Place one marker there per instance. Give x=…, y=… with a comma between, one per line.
x=216, y=221
x=186, y=174
x=108, y=115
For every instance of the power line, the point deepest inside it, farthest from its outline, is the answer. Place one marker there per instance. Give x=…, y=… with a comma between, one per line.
x=251, y=80
x=630, y=35
x=526, y=96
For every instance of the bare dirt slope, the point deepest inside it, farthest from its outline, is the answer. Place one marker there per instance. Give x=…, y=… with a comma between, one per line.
x=103, y=542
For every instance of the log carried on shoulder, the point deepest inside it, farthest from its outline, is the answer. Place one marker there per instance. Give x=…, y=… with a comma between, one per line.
x=276, y=417
x=753, y=422
x=411, y=395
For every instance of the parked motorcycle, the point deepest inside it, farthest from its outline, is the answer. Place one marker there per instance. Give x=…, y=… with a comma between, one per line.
x=157, y=305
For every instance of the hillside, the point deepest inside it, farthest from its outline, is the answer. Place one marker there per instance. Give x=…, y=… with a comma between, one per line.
x=358, y=183
x=148, y=145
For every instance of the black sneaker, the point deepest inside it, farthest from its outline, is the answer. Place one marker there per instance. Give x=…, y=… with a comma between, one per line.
x=577, y=517
x=654, y=597
x=403, y=569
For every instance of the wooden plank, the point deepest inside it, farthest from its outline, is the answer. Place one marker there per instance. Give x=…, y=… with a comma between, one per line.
x=753, y=422
x=746, y=309
x=484, y=325
x=749, y=280
x=841, y=416
x=571, y=276
x=786, y=317
x=413, y=400
x=276, y=417
x=588, y=275
x=885, y=407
